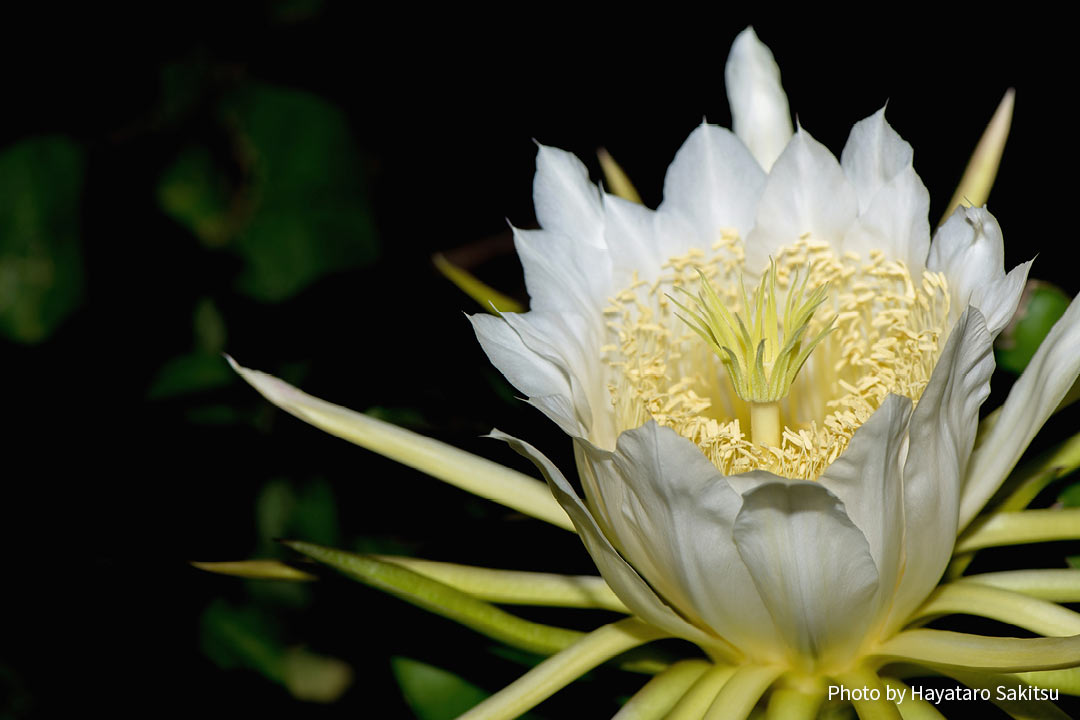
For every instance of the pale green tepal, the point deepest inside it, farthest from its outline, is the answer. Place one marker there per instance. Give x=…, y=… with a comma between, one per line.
x=807, y=560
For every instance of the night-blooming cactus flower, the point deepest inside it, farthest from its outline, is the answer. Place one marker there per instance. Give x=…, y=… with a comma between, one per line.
x=786, y=511
x=773, y=384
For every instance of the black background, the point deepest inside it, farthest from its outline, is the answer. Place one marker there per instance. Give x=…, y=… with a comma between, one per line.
x=106, y=496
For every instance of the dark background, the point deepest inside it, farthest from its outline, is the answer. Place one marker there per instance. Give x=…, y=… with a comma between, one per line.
x=120, y=469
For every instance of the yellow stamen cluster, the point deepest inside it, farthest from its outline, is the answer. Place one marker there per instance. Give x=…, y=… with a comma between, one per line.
x=887, y=332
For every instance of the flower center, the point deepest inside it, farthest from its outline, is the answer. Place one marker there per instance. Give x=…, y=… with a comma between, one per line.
x=763, y=353
x=877, y=331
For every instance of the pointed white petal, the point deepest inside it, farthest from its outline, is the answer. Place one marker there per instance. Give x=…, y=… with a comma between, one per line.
x=531, y=373
x=969, y=244
x=670, y=512
x=714, y=183
x=445, y=462
x=566, y=201
x=942, y=433
x=874, y=155
x=968, y=248
x=811, y=565
x=998, y=300
x=807, y=192
x=550, y=356
x=632, y=233
x=623, y=579
x=895, y=223
x=562, y=273
x=1032, y=399
x=573, y=341
x=868, y=480
x=759, y=107
x=893, y=202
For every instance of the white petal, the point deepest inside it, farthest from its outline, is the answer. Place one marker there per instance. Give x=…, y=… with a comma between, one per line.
x=874, y=155
x=637, y=242
x=573, y=341
x=623, y=579
x=714, y=182
x=895, y=223
x=868, y=480
x=759, y=107
x=969, y=243
x=529, y=372
x=893, y=202
x=807, y=192
x=940, y=440
x=563, y=273
x=670, y=513
x=550, y=356
x=1045, y=381
x=811, y=565
x=998, y=300
x=968, y=248
x=566, y=200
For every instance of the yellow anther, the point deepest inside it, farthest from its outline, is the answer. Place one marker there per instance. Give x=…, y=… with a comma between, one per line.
x=888, y=334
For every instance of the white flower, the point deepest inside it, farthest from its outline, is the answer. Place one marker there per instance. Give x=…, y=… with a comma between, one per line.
x=809, y=555
x=791, y=518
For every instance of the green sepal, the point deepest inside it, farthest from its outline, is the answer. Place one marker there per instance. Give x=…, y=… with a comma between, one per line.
x=1023, y=485
x=433, y=693
x=434, y=596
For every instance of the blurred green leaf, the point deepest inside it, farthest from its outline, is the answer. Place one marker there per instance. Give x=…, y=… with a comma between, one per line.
x=434, y=693
x=245, y=637
x=204, y=369
x=297, y=207
x=41, y=278
x=313, y=677
x=209, y=325
x=309, y=212
x=282, y=510
x=315, y=516
x=1070, y=497
x=242, y=637
x=190, y=373
x=194, y=191
x=1040, y=307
